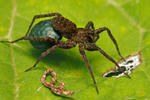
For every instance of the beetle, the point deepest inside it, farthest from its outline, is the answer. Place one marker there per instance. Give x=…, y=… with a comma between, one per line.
x=47, y=34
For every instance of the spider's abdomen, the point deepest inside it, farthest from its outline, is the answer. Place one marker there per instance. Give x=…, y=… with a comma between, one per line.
x=43, y=29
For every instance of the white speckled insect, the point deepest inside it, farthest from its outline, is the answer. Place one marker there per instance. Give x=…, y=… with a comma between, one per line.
x=132, y=61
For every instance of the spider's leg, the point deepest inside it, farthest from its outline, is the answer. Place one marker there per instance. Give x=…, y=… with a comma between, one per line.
x=89, y=67
x=96, y=48
x=42, y=55
x=35, y=17
x=112, y=60
x=97, y=31
x=22, y=38
x=90, y=25
x=66, y=45
x=41, y=16
x=31, y=38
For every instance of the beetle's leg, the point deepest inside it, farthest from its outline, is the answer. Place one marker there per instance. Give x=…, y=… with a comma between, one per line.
x=41, y=16
x=97, y=31
x=96, y=48
x=88, y=65
x=66, y=45
x=43, y=55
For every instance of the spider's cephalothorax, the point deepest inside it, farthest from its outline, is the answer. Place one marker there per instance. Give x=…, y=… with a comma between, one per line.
x=47, y=34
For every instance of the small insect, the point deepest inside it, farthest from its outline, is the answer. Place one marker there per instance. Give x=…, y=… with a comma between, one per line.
x=56, y=89
x=47, y=34
x=131, y=62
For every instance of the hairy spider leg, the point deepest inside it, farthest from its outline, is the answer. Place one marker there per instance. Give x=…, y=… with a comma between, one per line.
x=41, y=16
x=66, y=45
x=43, y=55
x=35, y=17
x=112, y=60
x=22, y=38
x=93, y=47
x=82, y=52
x=97, y=31
x=32, y=38
x=90, y=25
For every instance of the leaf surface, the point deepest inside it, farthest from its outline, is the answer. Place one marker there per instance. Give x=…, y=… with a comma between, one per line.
x=129, y=22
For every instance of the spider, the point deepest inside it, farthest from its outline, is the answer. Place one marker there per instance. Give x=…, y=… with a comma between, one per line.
x=48, y=33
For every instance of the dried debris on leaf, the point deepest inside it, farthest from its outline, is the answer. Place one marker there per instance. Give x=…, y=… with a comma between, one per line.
x=56, y=89
x=130, y=63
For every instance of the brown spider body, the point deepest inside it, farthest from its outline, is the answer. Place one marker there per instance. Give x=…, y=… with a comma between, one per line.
x=69, y=30
x=84, y=37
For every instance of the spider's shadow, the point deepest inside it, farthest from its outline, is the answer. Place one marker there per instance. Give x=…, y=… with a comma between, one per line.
x=59, y=56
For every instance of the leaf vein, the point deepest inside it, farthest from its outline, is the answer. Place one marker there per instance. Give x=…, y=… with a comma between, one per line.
x=9, y=36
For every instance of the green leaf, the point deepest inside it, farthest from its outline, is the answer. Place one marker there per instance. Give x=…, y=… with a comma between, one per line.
x=127, y=19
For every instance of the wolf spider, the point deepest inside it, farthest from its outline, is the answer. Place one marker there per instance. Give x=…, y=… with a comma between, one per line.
x=84, y=37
